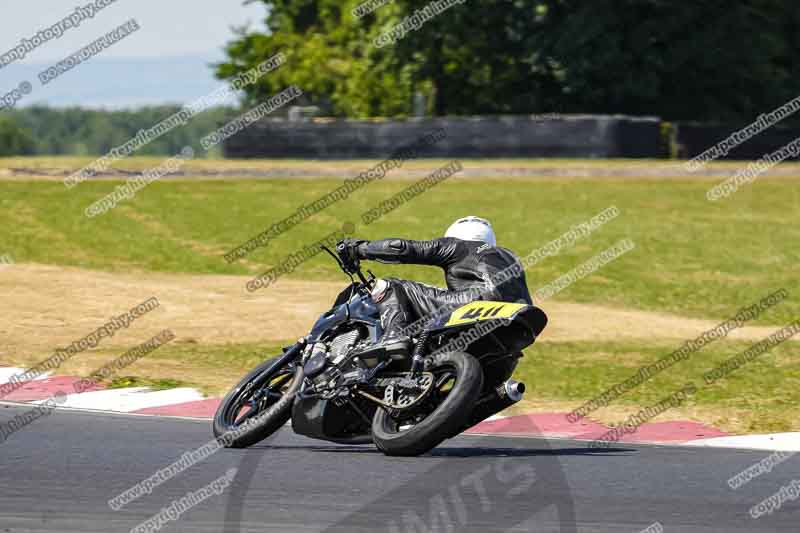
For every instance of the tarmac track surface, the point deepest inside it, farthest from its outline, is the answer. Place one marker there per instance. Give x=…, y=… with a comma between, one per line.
x=58, y=473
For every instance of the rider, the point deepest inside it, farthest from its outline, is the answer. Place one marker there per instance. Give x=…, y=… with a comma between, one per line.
x=472, y=264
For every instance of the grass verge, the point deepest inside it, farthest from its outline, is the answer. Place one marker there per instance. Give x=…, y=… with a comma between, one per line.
x=692, y=257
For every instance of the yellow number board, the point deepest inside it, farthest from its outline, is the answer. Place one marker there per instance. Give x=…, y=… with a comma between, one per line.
x=476, y=311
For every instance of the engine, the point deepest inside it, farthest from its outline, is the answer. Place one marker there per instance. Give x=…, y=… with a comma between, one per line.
x=341, y=345
x=334, y=360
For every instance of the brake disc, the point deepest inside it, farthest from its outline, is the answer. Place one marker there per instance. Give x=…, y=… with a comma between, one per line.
x=405, y=392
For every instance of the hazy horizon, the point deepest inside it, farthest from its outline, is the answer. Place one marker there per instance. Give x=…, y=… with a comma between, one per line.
x=166, y=61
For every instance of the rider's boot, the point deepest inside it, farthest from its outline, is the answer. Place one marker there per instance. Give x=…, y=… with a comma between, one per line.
x=394, y=318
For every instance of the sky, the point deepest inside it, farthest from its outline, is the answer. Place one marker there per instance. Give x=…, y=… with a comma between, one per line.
x=165, y=61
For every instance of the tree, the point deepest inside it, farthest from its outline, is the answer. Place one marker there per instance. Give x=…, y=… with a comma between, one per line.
x=468, y=59
x=13, y=139
x=681, y=60
x=710, y=60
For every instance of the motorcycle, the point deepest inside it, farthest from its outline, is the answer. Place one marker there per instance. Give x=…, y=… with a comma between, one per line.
x=337, y=384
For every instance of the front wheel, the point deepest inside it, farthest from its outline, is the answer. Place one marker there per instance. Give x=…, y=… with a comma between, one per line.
x=259, y=405
x=458, y=383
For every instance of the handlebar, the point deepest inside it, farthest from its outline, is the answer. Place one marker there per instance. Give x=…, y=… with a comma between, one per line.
x=366, y=282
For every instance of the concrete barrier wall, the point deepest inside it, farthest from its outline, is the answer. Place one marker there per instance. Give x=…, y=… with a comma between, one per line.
x=587, y=136
x=693, y=139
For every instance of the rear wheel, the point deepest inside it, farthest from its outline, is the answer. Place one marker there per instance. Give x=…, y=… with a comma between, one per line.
x=259, y=405
x=457, y=385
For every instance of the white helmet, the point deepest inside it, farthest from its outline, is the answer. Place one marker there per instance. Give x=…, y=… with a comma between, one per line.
x=472, y=229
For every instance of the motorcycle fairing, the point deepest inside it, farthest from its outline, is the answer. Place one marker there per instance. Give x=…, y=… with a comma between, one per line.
x=482, y=310
x=359, y=309
x=518, y=326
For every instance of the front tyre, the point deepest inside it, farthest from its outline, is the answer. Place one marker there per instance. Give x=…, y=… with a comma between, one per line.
x=459, y=380
x=259, y=405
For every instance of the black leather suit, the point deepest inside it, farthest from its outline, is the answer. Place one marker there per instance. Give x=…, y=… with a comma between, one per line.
x=472, y=270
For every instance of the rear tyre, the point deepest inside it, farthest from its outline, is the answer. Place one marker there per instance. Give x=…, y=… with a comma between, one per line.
x=459, y=379
x=259, y=405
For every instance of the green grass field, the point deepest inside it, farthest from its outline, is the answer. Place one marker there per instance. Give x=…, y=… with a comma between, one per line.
x=693, y=258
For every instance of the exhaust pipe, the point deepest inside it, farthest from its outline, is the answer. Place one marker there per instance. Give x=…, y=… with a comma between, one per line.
x=512, y=390
x=505, y=395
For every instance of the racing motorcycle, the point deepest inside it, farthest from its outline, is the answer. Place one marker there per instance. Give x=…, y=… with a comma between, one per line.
x=339, y=384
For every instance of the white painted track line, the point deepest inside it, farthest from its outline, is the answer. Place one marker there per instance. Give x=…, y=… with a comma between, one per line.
x=6, y=373
x=131, y=399
x=784, y=442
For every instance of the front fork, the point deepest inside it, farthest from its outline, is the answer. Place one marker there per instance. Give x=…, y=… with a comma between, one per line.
x=418, y=360
x=293, y=352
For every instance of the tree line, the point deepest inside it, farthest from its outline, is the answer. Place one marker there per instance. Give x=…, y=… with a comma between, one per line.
x=43, y=130
x=713, y=60
x=681, y=60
